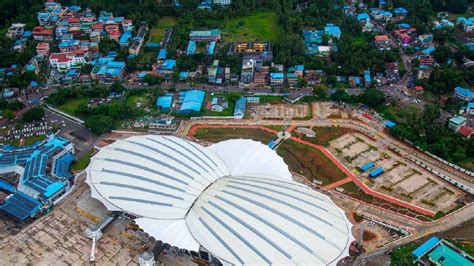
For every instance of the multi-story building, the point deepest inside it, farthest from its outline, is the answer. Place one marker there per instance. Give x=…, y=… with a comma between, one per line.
x=42, y=34
x=138, y=40
x=205, y=35
x=42, y=49
x=65, y=61
x=277, y=78
x=106, y=70
x=16, y=30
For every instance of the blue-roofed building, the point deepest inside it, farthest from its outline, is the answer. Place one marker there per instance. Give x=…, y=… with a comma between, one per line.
x=108, y=70
x=456, y=122
x=367, y=166
x=211, y=47
x=162, y=55
x=332, y=30
x=363, y=17
x=367, y=78
x=125, y=38
x=191, y=48
x=36, y=182
x=425, y=247
x=191, y=101
x=169, y=64
x=183, y=75
x=428, y=50
x=20, y=206
x=470, y=108
x=464, y=93
x=277, y=78
x=312, y=40
x=240, y=107
x=441, y=253
x=389, y=123
x=400, y=12
x=376, y=172
x=165, y=102
x=404, y=26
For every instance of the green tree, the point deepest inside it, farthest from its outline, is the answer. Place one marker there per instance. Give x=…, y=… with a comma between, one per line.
x=99, y=124
x=33, y=114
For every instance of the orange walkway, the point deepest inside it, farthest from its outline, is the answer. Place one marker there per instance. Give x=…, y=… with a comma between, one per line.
x=289, y=129
x=333, y=159
x=337, y=183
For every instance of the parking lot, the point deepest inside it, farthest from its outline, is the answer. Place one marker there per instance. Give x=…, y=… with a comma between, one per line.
x=400, y=178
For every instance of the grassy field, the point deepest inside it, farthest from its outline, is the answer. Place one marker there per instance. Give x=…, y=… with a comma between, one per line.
x=260, y=26
x=83, y=162
x=220, y=134
x=326, y=134
x=27, y=141
x=468, y=164
x=309, y=162
x=157, y=33
x=71, y=105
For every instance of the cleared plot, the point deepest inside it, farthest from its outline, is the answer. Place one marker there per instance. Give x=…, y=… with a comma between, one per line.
x=157, y=33
x=324, y=135
x=282, y=111
x=261, y=26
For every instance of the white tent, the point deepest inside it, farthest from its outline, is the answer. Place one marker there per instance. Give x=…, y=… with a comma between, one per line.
x=235, y=198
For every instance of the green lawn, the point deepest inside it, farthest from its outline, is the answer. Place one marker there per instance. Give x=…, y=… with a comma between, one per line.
x=83, y=162
x=157, y=33
x=468, y=164
x=28, y=140
x=71, y=105
x=260, y=26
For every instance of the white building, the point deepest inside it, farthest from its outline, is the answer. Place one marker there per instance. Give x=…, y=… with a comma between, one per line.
x=222, y=2
x=235, y=199
x=65, y=61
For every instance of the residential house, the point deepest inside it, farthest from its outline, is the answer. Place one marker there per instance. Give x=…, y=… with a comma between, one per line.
x=332, y=31
x=248, y=70
x=16, y=30
x=261, y=77
x=292, y=78
x=277, y=78
x=42, y=49
x=42, y=34
x=218, y=104
x=214, y=73
x=383, y=42
x=400, y=13
x=470, y=108
x=456, y=122
x=155, y=123
x=466, y=132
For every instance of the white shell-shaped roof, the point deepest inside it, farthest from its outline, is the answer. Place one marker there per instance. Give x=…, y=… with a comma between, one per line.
x=236, y=199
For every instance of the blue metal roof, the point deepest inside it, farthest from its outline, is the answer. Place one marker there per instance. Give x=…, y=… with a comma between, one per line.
x=164, y=102
x=464, y=92
x=390, y=124
x=425, y=247
x=240, y=106
x=363, y=16
x=162, y=54
x=191, y=48
x=192, y=101
x=277, y=75
x=376, y=172
x=367, y=166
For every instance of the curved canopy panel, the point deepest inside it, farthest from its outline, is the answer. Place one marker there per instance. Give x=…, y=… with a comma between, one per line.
x=152, y=176
x=173, y=232
x=247, y=157
x=236, y=199
x=258, y=221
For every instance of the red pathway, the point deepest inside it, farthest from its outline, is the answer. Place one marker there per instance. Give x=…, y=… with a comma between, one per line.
x=337, y=183
x=333, y=159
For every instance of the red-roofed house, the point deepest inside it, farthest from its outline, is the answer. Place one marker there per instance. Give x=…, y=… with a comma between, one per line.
x=114, y=35
x=382, y=42
x=65, y=61
x=419, y=90
x=42, y=34
x=42, y=48
x=466, y=132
